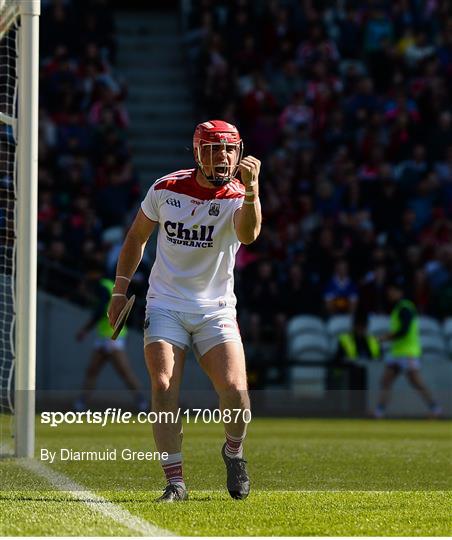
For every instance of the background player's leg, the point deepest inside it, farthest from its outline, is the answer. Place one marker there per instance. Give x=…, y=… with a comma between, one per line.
x=96, y=363
x=165, y=363
x=122, y=365
x=225, y=366
x=415, y=379
x=389, y=375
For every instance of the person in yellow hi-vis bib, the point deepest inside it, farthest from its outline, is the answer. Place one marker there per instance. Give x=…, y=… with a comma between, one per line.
x=358, y=343
x=106, y=349
x=347, y=369
x=405, y=351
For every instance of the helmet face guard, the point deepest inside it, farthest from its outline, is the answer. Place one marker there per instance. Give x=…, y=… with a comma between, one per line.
x=209, y=139
x=223, y=172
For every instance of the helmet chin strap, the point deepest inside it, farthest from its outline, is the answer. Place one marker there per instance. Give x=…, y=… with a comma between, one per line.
x=216, y=181
x=219, y=181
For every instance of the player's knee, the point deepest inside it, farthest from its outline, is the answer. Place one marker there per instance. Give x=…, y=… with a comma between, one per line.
x=161, y=385
x=235, y=383
x=235, y=390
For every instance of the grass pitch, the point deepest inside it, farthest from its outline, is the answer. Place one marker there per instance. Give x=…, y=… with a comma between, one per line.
x=309, y=477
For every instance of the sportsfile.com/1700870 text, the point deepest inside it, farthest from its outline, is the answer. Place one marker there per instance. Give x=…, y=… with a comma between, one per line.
x=120, y=416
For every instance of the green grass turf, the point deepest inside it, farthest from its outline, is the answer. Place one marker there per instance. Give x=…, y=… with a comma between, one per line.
x=309, y=477
x=306, y=514
x=39, y=510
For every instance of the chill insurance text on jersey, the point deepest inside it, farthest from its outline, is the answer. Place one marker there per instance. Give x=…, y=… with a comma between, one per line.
x=193, y=220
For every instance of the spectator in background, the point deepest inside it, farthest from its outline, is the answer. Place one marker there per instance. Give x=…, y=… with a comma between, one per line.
x=418, y=50
x=357, y=344
x=58, y=20
x=350, y=33
x=322, y=251
x=83, y=122
x=300, y=293
x=340, y=293
x=353, y=347
x=378, y=29
x=372, y=290
x=348, y=109
x=439, y=279
x=410, y=172
x=286, y=82
x=317, y=47
x=406, y=234
x=297, y=113
x=363, y=102
x=444, y=170
x=263, y=302
x=363, y=245
x=440, y=139
x=107, y=100
x=387, y=205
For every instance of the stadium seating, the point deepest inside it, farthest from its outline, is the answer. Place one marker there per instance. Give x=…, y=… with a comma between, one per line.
x=447, y=328
x=447, y=331
x=311, y=339
x=338, y=324
x=449, y=347
x=378, y=324
x=302, y=324
x=308, y=382
x=429, y=326
x=309, y=348
x=434, y=347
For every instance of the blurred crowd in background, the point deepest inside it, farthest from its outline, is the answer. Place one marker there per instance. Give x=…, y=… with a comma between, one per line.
x=87, y=184
x=347, y=104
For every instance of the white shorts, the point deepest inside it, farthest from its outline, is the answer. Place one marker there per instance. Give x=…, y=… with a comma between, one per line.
x=110, y=345
x=403, y=363
x=183, y=330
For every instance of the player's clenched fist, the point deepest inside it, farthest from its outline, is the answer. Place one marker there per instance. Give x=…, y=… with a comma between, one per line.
x=249, y=169
x=116, y=305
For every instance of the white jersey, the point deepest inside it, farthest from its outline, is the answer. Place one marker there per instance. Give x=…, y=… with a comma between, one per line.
x=196, y=244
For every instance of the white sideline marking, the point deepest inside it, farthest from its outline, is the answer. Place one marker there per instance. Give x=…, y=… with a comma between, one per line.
x=95, y=502
x=289, y=491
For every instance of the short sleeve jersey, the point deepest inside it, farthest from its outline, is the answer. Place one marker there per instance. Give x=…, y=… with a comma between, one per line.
x=196, y=244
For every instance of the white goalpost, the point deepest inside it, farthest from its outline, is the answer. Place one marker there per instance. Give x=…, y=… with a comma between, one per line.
x=19, y=74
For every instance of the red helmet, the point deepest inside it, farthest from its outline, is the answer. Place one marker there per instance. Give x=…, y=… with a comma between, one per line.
x=213, y=134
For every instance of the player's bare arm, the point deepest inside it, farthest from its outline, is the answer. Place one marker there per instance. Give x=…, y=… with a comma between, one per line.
x=248, y=218
x=129, y=259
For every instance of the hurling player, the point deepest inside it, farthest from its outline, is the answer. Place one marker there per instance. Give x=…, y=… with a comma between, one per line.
x=202, y=216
